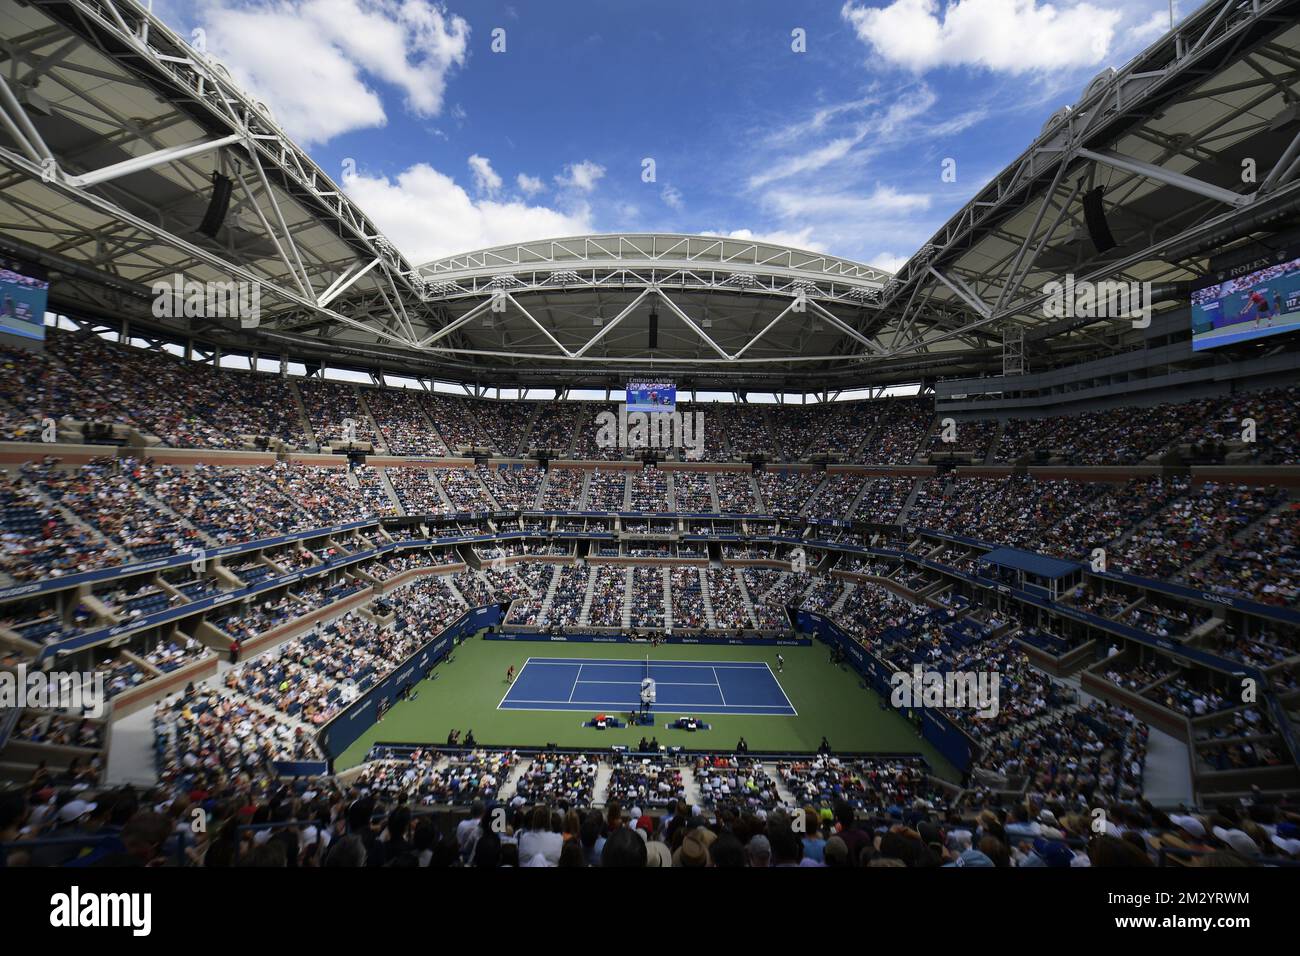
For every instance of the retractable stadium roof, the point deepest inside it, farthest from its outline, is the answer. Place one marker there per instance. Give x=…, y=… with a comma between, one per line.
x=111, y=127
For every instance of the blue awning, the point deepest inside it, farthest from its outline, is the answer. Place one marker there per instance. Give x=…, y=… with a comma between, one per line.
x=1030, y=563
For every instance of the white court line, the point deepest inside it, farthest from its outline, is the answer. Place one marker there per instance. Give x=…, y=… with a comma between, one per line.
x=674, y=708
x=749, y=709
x=780, y=688
x=512, y=684
x=576, y=677
x=659, y=683
x=595, y=661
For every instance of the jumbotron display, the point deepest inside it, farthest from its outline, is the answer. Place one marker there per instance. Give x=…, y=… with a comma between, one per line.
x=651, y=397
x=1257, y=305
x=23, y=297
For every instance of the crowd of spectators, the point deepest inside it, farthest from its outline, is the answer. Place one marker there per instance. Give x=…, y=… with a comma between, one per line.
x=836, y=497
x=735, y=492
x=566, y=780
x=608, y=596
x=785, y=493
x=648, y=598
x=649, y=490
x=454, y=421
x=745, y=428
x=204, y=738
x=554, y=428
x=901, y=426
x=464, y=490
x=1262, y=564
x=735, y=782
x=419, y=491
x=688, y=598
x=971, y=438
x=503, y=422
x=87, y=377
x=564, y=490
x=692, y=492
x=403, y=424
x=513, y=486
x=335, y=412
x=313, y=676
x=645, y=782
x=726, y=599
x=1198, y=522
x=606, y=490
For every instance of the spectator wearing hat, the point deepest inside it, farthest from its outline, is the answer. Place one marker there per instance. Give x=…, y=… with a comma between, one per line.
x=694, y=851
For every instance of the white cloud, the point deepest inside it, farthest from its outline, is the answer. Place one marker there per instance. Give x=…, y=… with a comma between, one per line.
x=888, y=261
x=808, y=162
x=582, y=176
x=883, y=201
x=486, y=179
x=1155, y=26
x=316, y=63
x=529, y=185
x=427, y=215
x=672, y=197
x=801, y=239
x=848, y=222
x=1012, y=36
x=869, y=133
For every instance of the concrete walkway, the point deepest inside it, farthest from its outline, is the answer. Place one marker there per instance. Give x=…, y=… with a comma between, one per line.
x=130, y=757
x=1168, y=778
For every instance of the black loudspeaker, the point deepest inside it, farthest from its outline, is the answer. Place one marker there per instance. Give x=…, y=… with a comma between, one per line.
x=310, y=368
x=1094, y=214
x=215, y=217
x=654, y=330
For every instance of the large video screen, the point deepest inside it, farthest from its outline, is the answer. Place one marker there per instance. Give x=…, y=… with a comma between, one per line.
x=22, y=301
x=651, y=397
x=1253, y=306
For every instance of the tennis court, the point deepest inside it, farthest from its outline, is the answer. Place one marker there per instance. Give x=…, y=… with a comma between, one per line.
x=682, y=687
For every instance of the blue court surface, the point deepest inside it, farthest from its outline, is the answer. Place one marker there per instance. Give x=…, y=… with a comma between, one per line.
x=682, y=687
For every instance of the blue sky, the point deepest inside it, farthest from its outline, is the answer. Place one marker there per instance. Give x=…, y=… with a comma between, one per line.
x=839, y=148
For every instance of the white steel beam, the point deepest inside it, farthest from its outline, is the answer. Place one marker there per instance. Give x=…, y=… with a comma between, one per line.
x=139, y=164
x=343, y=283
x=608, y=326
x=963, y=292
x=1168, y=177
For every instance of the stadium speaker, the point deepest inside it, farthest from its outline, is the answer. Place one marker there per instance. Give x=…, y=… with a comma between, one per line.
x=218, y=207
x=1094, y=214
x=654, y=330
x=310, y=368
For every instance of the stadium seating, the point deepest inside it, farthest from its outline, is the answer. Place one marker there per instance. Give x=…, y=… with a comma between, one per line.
x=1058, y=752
